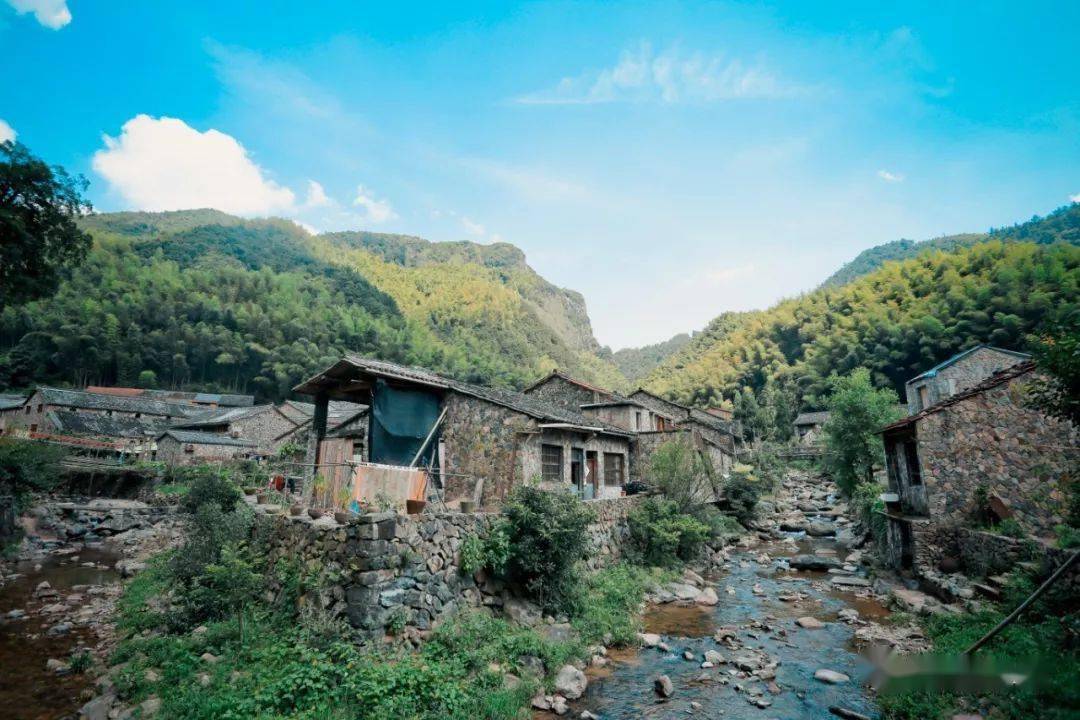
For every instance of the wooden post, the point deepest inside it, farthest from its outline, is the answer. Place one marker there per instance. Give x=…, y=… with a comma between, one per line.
x=315, y=436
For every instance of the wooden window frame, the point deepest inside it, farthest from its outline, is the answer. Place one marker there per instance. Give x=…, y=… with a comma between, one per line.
x=548, y=472
x=614, y=472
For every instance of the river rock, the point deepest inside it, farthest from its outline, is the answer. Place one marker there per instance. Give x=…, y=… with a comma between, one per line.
x=16, y=614
x=831, y=677
x=59, y=629
x=57, y=666
x=128, y=568
x=521, y=611
x=714, y=657
x=683, y=591
x=708, y=597
x=571, y=682
x=649, y=639
x=693, y=578
x=97, y=709
x=542, y=702
x=850, y=581
x=813, y=562
x=687, y=655
x=150, y=706
x=820, y=529
x=559, y=706
x=809, y=623
x=663, y=687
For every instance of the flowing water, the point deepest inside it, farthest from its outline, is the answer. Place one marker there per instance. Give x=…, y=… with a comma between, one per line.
x=27, y=690
x=624, y=689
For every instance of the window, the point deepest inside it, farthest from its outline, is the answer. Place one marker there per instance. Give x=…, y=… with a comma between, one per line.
x=637, y=420
x=551, y=464
x=358, y=451
x=614, y=466
x=924, y=397
x=39, y=409
x=911, y=457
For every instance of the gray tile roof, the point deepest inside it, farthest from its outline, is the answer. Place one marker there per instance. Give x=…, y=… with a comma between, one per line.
x=11, y=401
x=205, y=438
x=97, y=425
x=221, y=416
x=103, y=401
x=812, y=418
x=526, y=404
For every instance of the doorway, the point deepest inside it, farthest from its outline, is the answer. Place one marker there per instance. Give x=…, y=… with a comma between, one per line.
x=592, y=475
x=577, y=472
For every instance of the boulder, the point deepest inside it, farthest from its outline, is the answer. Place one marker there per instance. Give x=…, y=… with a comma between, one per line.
x=150, y=706
x=809, y=623
x=715, y=657
x=820, y=529
x=57, y=666
x=649, y=639
x=663, y=687
x=97, y=709
x=570, y=682
x=521, y=611
x=813, y=562
x=831, y=677
x=708, y=597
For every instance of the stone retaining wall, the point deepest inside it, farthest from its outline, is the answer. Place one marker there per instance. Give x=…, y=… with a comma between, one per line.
x=384, y=570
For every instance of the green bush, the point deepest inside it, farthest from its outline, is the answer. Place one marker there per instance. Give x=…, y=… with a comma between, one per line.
x=1068, y=537
x=491, y=552
x=208, y=484
x=546, y=538
x=662, y=536
x=609, y=610
x=742, y=492
x=1009, y=527
x=27, y=467
x=857, y=410
x=683, y=474
x=866, y=503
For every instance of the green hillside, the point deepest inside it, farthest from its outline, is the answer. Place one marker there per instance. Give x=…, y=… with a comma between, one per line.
x=636, y=363
x=1061, y=225
x=896, y=320
x=203, y=299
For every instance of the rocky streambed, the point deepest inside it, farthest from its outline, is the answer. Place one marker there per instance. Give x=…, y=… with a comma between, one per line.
x=776, y=630
x=57, y=597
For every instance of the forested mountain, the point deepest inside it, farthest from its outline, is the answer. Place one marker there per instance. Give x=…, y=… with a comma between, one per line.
x=1061, y=225
x=897, y=320
x=636, y=363
x=205, y=300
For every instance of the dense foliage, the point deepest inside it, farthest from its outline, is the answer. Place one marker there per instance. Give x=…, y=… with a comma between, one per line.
x=636, y=363
x=547, y=538
x=204, y=300
x=896, y=321
x=27, y=467
x=661, y=535
x=39, y=239
x=1058, y=356
x=857, y=411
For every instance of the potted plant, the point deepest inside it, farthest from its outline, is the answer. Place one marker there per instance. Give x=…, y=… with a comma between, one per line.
x=342, y=514
x=263, y=498
x=318, y=492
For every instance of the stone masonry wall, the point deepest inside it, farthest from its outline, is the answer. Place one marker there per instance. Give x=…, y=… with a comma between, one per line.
x=383, y=569
x=965, y=373
x=561, y=392
x=996, y=441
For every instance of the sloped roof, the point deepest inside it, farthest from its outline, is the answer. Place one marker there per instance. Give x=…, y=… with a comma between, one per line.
x=105, y=401
x=999, y=378
x=573, y=381
x=11, y=401
x=520, y=402
x=205, y=438
x=812, y=418
x=222, y=399
x=96, y=425
x=961, y=355
x=338, y=411
x=222, y=416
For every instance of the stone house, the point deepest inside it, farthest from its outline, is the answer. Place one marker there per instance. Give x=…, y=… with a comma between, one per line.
x=11, y=406
x=960, y=372
x=191, y=447
x=809, y=426
x=32, y=414
x=119, y=434
x=628, y=414
x=561, y=389
x=475, y=442
x=984, y=444
x=202, y=399
x=264, y=425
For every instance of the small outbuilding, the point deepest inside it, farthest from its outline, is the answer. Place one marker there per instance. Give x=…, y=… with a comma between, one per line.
x=191, y=447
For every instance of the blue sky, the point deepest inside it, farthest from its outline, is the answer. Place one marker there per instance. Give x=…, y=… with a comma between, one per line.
x=668, y=160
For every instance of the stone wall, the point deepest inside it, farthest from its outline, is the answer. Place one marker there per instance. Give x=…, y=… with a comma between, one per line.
x=994, y=440
x=383, y=569
x=171, y=451
x=965, y=373
x=264, y=428
x=560, y=391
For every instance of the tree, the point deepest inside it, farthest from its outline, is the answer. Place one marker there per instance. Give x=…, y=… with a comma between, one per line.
x=683, y=474
x=38, y=235
x=857, y=411
x=1057, y=354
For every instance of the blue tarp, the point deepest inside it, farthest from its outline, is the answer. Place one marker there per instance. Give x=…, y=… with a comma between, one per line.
x=400, y=421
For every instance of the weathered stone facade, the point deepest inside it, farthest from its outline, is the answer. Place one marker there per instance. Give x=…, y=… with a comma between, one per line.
x=175, y=452
x=647, y=443
x=963, y=371
x=502, y=447
x=382, y=570
x=986, y=442
x=566, y=392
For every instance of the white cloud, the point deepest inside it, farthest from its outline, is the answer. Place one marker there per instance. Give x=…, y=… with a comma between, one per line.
x=6, y=132
x=376, y=211
x=164, y=164
x=1075, y=198
x=472, y=227
x=52, y=14
x=309, y=229
x=889, y=176
x=668, y=77
x=317, y=197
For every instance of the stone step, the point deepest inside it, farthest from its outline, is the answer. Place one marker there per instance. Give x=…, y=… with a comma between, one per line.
x=991, y=592
x=998, y=581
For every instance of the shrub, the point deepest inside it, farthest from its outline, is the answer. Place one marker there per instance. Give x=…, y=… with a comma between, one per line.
x=662, y=536
x=208, y=484
x=866, y=502
x=546, y=537
x=27, y=467
x=742, y=492
x=684, y=475
x=610, y=605
x=80, y=661
x=1068, y=537
x=1009, y=527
